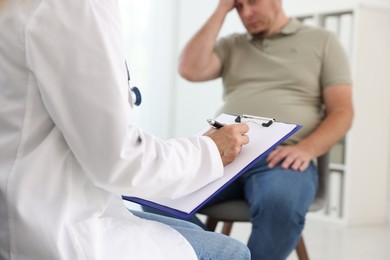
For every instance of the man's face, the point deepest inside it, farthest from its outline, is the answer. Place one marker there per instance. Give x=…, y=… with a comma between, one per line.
x=258, y=16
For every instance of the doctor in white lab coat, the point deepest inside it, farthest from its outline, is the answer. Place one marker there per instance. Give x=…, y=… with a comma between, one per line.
x=68, y=150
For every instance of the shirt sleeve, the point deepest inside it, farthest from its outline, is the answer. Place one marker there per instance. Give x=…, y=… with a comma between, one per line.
x=222, y=51
x=335, y=65
x=76, y=56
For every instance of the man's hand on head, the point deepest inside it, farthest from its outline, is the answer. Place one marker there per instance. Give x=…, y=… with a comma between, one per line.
x=227, y=5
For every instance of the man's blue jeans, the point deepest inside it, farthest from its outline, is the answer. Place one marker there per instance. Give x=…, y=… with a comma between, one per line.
x=279, y=200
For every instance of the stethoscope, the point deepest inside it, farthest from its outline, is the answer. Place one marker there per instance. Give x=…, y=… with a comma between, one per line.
x=135, y=97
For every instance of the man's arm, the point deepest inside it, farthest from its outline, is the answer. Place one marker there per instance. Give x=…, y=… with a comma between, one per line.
x=198, y=62
x=339, y=108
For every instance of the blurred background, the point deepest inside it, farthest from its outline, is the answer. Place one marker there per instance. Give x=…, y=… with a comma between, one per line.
x=155, y=32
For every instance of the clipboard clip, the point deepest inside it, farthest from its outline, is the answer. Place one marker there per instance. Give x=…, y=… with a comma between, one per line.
x=270, y=120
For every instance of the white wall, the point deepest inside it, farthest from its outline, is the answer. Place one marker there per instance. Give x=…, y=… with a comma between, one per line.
x=156, y=32
x=369, y=153
x=150, y=33
x=310, y=6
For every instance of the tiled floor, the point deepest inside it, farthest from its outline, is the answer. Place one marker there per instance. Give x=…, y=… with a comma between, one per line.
x=338, y=242
x=333, y=241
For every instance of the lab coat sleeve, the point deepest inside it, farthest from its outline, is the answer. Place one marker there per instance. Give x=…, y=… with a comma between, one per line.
x=75, y=53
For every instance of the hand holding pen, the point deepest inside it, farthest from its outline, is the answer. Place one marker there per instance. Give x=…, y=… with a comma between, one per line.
x=215, y=124
x=228, y=138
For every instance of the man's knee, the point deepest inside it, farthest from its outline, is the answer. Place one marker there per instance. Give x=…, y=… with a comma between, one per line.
x=279, y=206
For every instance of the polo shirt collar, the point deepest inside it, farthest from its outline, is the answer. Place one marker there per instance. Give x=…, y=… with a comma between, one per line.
x=292, y=27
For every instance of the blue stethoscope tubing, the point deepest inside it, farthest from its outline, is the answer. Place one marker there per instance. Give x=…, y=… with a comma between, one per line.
x=135, y=97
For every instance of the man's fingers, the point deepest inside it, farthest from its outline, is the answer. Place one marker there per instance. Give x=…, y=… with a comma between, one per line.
x=275, y=157
x=288, y=161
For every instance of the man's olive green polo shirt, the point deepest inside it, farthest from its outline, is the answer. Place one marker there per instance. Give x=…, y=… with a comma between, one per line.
x=282, y=76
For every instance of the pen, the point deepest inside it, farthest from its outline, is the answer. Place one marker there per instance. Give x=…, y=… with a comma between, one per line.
x=215, y=123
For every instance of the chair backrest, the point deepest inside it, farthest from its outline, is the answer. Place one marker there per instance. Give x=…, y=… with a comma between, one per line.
x=323, y=180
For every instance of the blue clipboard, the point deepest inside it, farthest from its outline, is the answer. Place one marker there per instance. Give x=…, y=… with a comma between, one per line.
x=183, y=211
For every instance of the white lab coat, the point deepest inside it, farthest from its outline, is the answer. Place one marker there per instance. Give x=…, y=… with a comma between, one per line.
x=67, y=146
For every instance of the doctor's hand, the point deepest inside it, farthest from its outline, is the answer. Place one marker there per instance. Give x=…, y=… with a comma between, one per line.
x=229, y=140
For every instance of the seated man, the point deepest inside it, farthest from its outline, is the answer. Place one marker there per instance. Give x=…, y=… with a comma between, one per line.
x=285, y=70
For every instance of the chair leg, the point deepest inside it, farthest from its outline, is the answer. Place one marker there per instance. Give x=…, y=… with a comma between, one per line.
x=227, y=227
x=301, y=250
x=211, y=223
